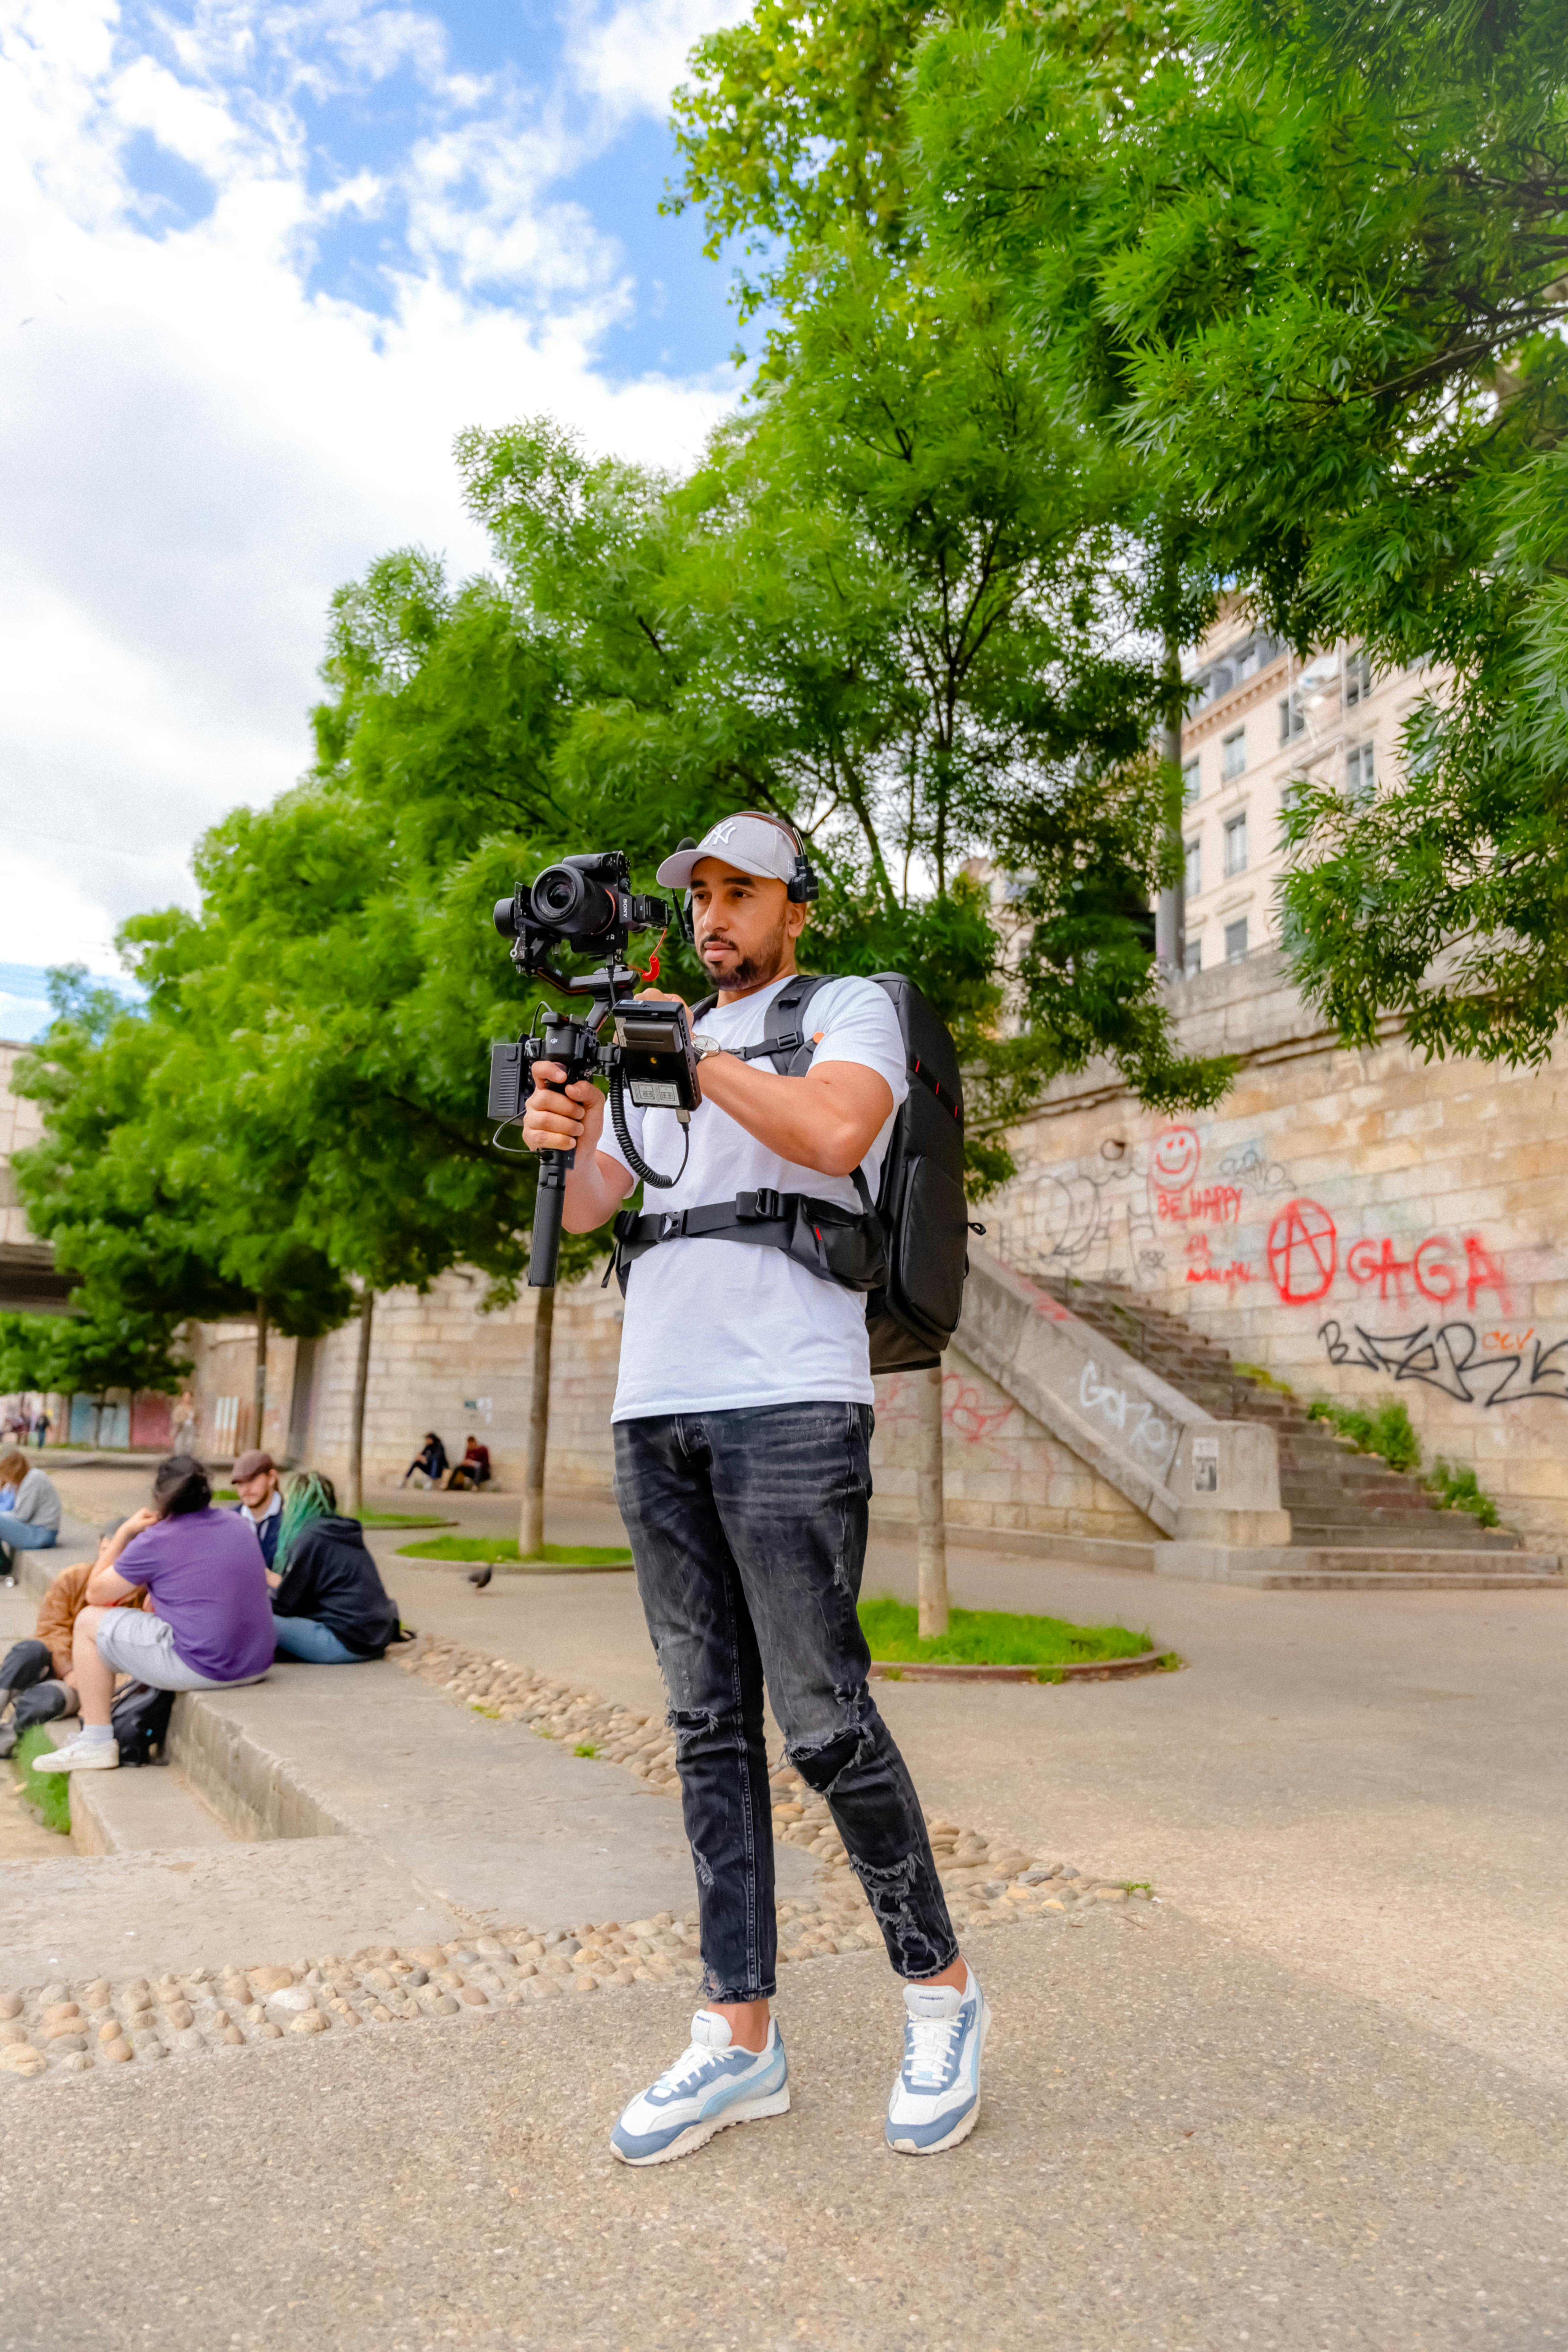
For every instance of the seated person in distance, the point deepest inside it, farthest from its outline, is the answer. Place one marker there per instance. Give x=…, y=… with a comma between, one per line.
x=38, y=1679
x=474, y=1469
x=29, y=1511
x=329, y=1606
x=207, y=1622
x=260, y=1488
x=743, y=1426
x=429, y=1463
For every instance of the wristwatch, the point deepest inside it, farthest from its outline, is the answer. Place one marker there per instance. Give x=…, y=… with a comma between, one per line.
x=702, y=1046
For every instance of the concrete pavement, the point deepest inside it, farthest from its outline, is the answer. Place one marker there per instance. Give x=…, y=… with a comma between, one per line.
x=1318, y=2101
x=1183, y=2147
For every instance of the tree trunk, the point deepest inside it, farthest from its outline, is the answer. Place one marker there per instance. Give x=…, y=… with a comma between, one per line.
x=261, y=1370
x=931, y=1507
x=531, y=1534
x=356, y=1422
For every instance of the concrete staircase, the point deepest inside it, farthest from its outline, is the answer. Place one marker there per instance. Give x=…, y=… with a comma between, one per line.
x=1359, y=1518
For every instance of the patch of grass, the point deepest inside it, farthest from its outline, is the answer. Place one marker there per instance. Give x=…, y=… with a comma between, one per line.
x=1386, y=1431
x=1459, y=1490
x=48, y=1792
x=993, y=1637
x=585, y=1748
x=224, y=1495
x=478, y=1706
x=404, y=1519
x=496, y=1550
x=1263, y=1379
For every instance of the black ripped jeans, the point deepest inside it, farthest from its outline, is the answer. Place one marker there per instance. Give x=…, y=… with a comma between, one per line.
x=748, y=1532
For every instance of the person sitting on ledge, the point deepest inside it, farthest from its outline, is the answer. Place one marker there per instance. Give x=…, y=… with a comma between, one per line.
x=429, y=1463
x=29, y=1512
x=256, y=1483
x=473, y=1470
x=38, y=1679
x=330, y=1605
x=208, y=1623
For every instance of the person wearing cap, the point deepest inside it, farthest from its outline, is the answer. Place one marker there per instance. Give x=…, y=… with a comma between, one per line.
x=742, y=1427
x=255, y=1482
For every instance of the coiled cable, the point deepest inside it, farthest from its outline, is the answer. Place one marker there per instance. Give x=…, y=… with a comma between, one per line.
x=634, y=1158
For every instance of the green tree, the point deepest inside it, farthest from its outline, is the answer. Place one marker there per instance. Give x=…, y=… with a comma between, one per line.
x=1315, y=257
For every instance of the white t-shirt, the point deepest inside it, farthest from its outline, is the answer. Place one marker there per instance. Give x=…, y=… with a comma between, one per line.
x=713, y=1325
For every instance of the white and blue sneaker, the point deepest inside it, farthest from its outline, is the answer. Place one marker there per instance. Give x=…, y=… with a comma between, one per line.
x=936, y=2099
x=712, y=2086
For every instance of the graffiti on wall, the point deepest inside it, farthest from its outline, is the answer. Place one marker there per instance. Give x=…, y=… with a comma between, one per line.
x=963, y=1411
x=1484, y=1368
x=1117, y=1218
x=1304, y=1256
x=1132, y=1417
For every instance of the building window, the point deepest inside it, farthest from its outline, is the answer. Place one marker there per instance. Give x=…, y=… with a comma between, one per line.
x=1194, y=877
x=1235, y=941
x=1292, y=720
x=1235, y=845
x=1192, y=958
x=1191, y=781
x=1233, y=755
x=1361, y=774
x=1358, y=678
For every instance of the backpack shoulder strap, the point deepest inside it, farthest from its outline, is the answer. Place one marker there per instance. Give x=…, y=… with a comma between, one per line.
x=784, y=1034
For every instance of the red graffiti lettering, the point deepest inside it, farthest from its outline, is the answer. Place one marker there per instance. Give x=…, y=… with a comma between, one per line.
x=1436, y=1275
x=1198, y=1246
x=965, y=1414
x=1483, y=1273
x=1237, y=1271
x=1510, y=1343
x=1362, y=1267
x=1303, y=1251
x=1220, y=1204
x=1174, y=1160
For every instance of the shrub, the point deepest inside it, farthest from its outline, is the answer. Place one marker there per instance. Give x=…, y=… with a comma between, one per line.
x=1386, y=1431
x=1459, y=1490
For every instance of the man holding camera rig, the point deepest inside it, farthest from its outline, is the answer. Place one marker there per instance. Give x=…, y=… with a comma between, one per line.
x=742, y=1425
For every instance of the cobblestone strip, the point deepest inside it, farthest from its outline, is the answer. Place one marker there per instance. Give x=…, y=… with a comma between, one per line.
x=74, y=2028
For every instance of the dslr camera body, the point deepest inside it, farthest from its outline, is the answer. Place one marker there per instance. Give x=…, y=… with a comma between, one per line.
x=586, y=905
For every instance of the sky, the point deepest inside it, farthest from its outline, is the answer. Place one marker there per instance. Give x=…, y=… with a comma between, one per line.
x=260, y=261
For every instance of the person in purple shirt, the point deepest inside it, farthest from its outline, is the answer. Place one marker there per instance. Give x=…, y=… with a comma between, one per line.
x=208, y=1619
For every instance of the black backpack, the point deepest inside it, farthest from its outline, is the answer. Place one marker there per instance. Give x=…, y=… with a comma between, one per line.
x=140, y=1721
x=907, y=1251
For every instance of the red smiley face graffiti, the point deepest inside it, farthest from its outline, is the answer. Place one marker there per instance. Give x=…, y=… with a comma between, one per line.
x=1175, y=1161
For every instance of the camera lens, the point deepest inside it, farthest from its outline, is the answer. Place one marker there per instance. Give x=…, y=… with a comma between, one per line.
x=573, y=902
x=506, y=917
x=557, y=895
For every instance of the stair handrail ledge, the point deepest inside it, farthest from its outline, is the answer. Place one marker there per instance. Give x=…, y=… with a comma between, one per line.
x=1165, y=1454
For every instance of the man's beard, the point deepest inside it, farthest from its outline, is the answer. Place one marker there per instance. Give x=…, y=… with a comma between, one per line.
x=755, y=971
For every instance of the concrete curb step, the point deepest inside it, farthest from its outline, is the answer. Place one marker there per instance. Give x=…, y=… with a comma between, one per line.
x=1363, y=1580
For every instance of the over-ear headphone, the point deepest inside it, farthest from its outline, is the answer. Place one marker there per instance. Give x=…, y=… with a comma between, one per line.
x=803, y=885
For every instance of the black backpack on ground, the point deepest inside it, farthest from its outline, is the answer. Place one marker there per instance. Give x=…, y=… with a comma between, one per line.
x=140, y=1721
x=908, y=1249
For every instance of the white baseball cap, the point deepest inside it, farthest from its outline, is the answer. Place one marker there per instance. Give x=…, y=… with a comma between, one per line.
x=752, y=845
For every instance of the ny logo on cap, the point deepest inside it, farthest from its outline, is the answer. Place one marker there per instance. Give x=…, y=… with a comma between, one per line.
x=722, y=831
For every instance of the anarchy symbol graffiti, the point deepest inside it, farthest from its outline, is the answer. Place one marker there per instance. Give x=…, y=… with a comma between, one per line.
x=1303, y=1251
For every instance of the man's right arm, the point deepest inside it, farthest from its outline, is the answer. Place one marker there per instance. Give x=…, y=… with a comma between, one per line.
x=571, y=1119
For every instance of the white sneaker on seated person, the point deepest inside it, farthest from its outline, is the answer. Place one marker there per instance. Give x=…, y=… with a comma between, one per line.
x=82, y=1754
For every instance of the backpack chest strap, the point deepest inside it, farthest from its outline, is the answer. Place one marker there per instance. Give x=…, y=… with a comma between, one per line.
x=837, y=1245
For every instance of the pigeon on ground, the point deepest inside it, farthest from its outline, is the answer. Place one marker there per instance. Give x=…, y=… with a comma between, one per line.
x=479, y=1577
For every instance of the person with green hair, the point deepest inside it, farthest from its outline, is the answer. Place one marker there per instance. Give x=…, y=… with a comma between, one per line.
x=330, y=1607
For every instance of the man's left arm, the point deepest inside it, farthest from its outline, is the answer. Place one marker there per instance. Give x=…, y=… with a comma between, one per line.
x=828, y=1119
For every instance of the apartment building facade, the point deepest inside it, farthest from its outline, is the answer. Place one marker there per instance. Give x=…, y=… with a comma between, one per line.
x=1260, y=721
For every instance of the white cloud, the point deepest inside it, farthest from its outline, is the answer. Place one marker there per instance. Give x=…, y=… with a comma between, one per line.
x=197, y=443
x=631, y=57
